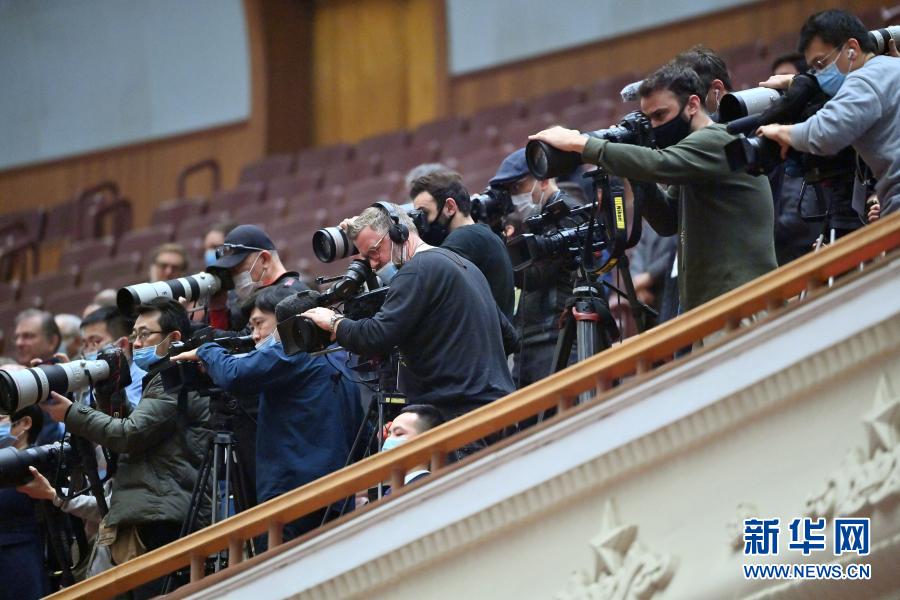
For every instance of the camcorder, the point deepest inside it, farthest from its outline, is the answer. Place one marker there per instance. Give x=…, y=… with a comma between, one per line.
x=176, y=376
x=25, y=387
x=557, y=232
x=14, y=463
x=546, y=162
x=199, y=286
x=300, y=334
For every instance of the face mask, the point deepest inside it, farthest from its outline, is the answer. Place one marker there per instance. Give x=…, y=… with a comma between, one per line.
x=7, y=439
x=386, y=273
x=672, y=132
x=244, y=285
x=209, y=257
x=523, y=205
x=93, y=355
x=830, y=78
x=146, y=357
x=392, y=442
x=436, y=232
x=266, y=341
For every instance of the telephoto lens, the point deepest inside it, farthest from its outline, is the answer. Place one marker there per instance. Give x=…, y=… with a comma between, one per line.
x=191, y=288
x=25, y=387
x=14, y=463
x=736, y=105
x=880, y=38
x=332, y=243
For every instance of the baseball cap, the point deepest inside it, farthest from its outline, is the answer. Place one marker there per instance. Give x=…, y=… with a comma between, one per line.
x=240, y=242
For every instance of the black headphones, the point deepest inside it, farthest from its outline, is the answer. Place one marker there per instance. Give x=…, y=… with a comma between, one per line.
x=398, y=232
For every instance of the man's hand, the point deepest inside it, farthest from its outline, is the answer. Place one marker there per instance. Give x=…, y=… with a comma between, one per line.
x=38, y=488
x=892, y=49
x=320, y=316
x=56, y=406
x=779, y=133
x=189, y=356
x=874, y=209
x=568, y=140
x=345, y=224
x=777, y=82
x=59, y=357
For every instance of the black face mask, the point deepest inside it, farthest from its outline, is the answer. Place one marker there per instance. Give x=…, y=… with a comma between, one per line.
x=672, y=132
x=436, y=232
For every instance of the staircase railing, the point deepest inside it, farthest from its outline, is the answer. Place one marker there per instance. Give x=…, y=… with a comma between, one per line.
x=635, y=356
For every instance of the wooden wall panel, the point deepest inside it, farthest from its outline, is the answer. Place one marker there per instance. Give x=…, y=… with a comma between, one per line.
x=377, y=66
x=642, y=52
x=146, y=173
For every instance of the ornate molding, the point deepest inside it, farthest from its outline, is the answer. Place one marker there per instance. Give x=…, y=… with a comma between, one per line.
x=624, y=568
x=869, y=475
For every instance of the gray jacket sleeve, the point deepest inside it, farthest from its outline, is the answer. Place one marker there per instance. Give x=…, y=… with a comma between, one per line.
x=842, y=120
x=153, y=420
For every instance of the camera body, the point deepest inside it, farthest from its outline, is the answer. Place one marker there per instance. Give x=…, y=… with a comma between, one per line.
x=557, y=232
x=546, y=162
x=188, y=374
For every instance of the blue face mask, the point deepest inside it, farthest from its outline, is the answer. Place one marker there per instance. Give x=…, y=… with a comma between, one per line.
x=7, y=439
x=146, y=357
x=830, y=79
x=266, y=341
x=392, y=442
x=209, y=257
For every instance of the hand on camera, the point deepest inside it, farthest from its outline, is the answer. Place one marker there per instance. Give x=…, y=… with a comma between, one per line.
x=56, y=406
x=189, y=356
x=59, y=357
x=345, y=224
x=38, y=488
x=320, y=316
x=568, y=140
x=778, y=133
x=777, y=82
x=892, y=49
x=874, y=209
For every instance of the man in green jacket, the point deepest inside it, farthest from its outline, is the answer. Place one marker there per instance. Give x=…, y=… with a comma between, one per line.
x=724, y=219
x=160, y=447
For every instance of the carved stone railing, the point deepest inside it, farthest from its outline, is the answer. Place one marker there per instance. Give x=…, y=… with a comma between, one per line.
x=635, y=356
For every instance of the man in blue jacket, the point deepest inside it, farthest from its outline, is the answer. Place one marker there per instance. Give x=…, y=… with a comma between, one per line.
x=309, y=409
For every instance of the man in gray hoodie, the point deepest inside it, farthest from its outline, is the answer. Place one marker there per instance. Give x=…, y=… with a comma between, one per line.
x=863, y=112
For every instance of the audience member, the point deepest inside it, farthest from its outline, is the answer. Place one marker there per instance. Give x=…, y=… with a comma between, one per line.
x=413, y=421
x=69, y=329
x=168, y=261
x=105, y=328
x=105, y=297
x=213, y=239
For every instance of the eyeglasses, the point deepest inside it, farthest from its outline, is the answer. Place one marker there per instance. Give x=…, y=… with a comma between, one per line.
x=373, y=251
x=229, y=249
x=818, y=64
x=141, y=335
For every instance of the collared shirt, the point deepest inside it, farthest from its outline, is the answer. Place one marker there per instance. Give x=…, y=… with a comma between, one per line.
x=133, y=391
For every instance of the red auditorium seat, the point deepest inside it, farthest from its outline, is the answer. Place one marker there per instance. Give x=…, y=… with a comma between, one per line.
x=114, y=272
x=579, y=116
x=364, y=192
x=742, y=53
x=460, y=146
x=517, y=132
x=323, y=156
x=245, y=194
x=557, y=102
x=292, y=185
x=382, y=142
x=439, y=130
x=484, y=157
x=404, y=159
x=783, y=44
x=71, y=301
x=8, y=312
x=748, y=74
x=609, y=89
x=9, y=292
x=196, y=228
x=360, y=167
x=36, y=290
x=265, y=215
x=476, y=181
x=277, y=165
x=79, y=254
x=174, y=212
x=144, y=240
x=498, y=116
x=294, y=227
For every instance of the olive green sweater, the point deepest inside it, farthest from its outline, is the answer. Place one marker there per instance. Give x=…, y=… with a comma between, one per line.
x=724, y=219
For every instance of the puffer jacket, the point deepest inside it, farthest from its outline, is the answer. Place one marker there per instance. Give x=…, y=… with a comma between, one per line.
x=160, y=453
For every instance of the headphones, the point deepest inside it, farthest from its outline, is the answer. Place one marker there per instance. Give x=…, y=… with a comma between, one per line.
x=397, y=232
x=851, y=54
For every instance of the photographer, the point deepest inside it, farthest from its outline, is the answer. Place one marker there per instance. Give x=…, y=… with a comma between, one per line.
x=863, y=112
x=107, y=327
x=724, y=219
x=309, y=410
x=439, y=312
x=546, y=285
x=160, y=445
x=21, y=540
x=445, y=206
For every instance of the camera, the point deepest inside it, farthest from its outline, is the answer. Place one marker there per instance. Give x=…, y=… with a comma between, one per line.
x=491, y=205
x=545, y=161
x=193, y=287
x=558, y=232
x=300, y=334
x=188, y=374
x=759, y=155
x=880, y=38
x=332, y=243
x=25, y=387
x=14, y=463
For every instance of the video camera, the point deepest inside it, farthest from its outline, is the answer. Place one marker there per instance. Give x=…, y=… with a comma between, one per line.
x=193, y=287
x=546, y=162
x=300, y=334
x=25, y=387
x=558, y=231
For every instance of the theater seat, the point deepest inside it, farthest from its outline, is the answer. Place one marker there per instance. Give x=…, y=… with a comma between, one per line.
x=8, y=312
x=557, y=102
x=77, y=255
x=439, y=130
x=497, y=116
x=277, y=165
x=292, y=185
x=146, y=239
x=112, y=272
x=322, y=157
x=71, y=301
x=383, y=142
x=36, y=290
x=9, y=292
x=265, y=215
x=229, y=201
x=174, y=212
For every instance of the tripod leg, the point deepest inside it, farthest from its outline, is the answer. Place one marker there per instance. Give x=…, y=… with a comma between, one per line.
x=564, y=342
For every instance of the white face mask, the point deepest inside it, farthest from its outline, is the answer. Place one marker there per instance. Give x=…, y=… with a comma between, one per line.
x=266, y=341
x=244, y=285
x=523, y=205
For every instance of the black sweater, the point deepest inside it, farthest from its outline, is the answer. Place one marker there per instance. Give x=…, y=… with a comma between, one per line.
x=441, y=315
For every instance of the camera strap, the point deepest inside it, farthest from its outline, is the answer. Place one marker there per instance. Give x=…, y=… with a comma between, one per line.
x=612, y=194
